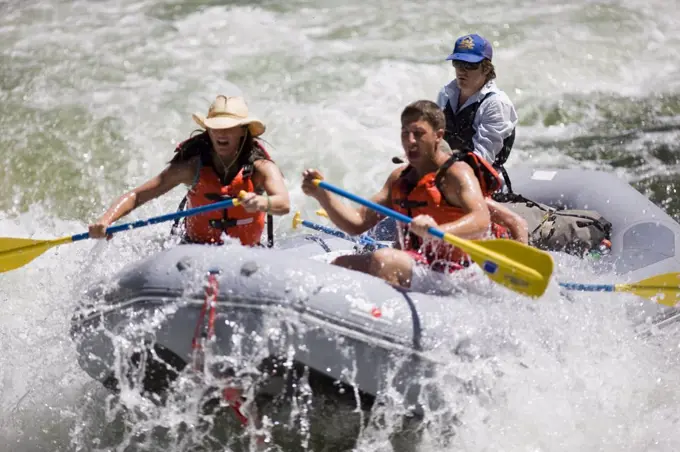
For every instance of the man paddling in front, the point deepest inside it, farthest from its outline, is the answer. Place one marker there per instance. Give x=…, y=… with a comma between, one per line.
x=436, y=189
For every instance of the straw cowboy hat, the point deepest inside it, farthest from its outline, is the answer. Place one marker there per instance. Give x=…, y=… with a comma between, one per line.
x=227, y=112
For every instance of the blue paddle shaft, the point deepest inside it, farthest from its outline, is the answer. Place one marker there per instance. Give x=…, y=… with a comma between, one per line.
x=589, y=287
x=365, y=202
x=160, y=219
x=337, y=233
x=377, y=207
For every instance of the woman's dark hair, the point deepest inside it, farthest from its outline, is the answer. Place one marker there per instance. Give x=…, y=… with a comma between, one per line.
x=200, y=145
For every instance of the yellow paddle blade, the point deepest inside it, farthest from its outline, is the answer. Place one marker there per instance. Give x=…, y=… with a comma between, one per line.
x=664, y=289
x=15, y=253
x=8, y=243
x=297, y=220
x=322, y=213
x=519, y=267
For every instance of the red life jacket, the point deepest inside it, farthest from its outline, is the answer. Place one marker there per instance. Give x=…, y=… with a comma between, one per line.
x=235, y=222
x=425, y=198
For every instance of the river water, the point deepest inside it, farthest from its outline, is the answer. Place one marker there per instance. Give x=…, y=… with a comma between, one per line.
x=95, y=95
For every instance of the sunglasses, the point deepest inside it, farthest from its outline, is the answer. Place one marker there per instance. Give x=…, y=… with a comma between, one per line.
x=465, y=66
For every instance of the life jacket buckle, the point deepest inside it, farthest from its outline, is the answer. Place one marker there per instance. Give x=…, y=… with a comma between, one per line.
x=407, y=204
x=223, y=224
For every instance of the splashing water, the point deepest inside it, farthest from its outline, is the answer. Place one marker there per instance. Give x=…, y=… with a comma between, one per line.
x=93, y=97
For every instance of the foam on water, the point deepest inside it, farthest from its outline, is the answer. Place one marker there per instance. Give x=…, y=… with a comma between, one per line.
x=94, y=96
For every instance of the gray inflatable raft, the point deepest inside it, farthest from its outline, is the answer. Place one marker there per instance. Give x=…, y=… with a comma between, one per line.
x=337, y=320
x=643, y=235
x=342, y=325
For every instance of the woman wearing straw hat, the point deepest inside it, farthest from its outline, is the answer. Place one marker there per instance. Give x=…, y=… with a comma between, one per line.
x=223, y=160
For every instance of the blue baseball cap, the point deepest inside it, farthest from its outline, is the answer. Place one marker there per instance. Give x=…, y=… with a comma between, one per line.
x=472, y=49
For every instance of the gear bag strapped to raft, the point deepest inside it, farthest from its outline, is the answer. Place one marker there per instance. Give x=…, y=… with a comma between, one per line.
x=571, y=231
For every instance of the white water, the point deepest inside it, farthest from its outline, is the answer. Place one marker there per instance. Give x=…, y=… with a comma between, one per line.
x=94, y=95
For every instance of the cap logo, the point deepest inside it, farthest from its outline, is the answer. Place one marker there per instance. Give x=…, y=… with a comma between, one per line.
x=466, y=43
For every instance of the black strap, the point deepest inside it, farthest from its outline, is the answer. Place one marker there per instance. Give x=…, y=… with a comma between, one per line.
x=174, y=230
x=604, y=226
x=415, y=320
x=406, y=183
x=248, y=170
x=270, y=231
x=416, y=241
x=514, y=198
x=507, y=178
x=216, y=197
x=441, y=171
x=320, y=241
x=407, y=204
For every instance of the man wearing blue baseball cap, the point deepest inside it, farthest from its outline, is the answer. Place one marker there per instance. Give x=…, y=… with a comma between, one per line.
x=480, y=118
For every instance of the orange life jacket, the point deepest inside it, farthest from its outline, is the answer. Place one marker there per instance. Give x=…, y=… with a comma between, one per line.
x=235, y=222
x=425, y=198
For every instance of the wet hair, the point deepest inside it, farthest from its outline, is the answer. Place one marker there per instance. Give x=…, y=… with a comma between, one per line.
x=487, y=65
x=424, y=109
x=199, y=144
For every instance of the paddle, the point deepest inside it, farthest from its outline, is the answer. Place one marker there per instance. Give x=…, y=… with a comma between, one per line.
x=663, y=289
x=518, y=267
x=16, y=252
x=362, y=240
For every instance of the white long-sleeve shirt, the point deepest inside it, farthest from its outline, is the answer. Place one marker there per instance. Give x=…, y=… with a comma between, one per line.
x=495, y=120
